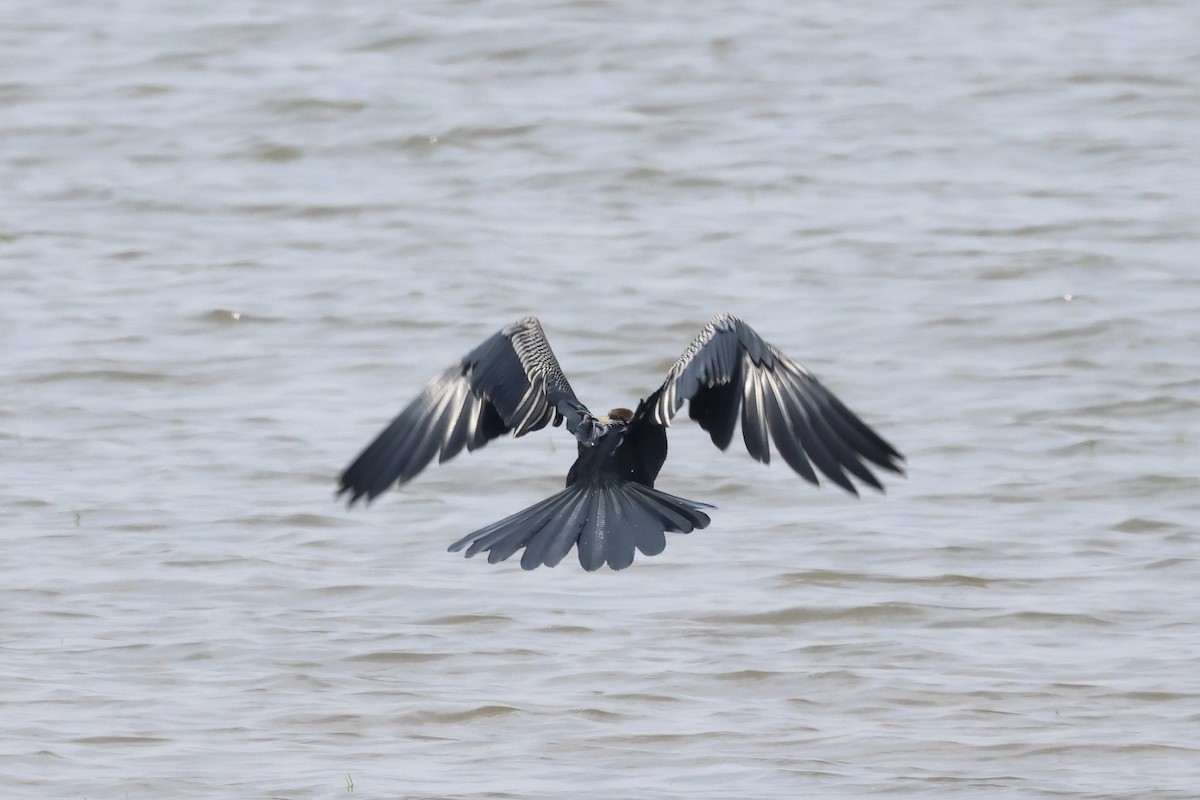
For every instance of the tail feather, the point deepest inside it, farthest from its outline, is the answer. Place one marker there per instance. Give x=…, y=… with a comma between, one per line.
x=648, y=534
x=679, y=515
x=488, y=538
x=596, y=537
x=554, y=540
x=608, y=522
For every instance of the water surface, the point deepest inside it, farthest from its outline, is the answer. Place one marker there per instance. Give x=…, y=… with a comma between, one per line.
x=235, y=240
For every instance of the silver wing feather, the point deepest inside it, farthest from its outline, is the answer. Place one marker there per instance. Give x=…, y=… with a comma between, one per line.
x=728, y=372
x=511, y=382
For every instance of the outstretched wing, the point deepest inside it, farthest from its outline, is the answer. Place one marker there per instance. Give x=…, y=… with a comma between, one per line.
x=511, y=382
x=728, y=372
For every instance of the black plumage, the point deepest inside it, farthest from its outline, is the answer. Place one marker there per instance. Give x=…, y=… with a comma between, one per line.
x=610, y=508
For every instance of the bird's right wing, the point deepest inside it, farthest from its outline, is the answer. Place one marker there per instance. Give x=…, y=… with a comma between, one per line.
x=511, y=382
x=728, y=372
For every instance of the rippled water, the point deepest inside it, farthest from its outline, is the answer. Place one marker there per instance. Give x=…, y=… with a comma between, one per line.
x=236, y=238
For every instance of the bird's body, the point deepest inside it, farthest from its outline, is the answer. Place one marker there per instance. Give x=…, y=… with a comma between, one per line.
x=513, y=382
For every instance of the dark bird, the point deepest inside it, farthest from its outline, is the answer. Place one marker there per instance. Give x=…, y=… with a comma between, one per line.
x=512, y=382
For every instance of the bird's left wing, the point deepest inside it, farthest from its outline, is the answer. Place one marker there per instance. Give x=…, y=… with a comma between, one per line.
x=728, y=372
x=511, y=382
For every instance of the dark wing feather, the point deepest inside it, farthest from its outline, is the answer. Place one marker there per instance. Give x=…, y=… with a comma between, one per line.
x=511, y=382
x=728, y=372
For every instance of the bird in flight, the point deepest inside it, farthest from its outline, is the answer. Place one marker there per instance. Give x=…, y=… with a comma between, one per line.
x=609, y=508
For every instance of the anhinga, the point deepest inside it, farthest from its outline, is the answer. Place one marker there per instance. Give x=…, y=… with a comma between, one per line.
x=513, y=382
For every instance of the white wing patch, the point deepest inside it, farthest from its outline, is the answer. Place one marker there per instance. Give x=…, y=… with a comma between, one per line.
x=669, y=401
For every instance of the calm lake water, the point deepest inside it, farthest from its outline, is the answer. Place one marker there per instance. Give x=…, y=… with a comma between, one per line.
x=236, y=238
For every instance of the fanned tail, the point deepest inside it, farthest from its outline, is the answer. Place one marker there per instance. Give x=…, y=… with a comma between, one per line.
x=607, y=520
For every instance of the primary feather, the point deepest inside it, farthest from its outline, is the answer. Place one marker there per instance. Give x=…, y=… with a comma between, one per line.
x=728, y=372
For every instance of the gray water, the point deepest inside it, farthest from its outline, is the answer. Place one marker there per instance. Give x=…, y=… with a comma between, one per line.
x=236, y=238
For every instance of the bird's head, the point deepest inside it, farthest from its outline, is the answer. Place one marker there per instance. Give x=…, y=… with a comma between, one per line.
x=617, y=415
